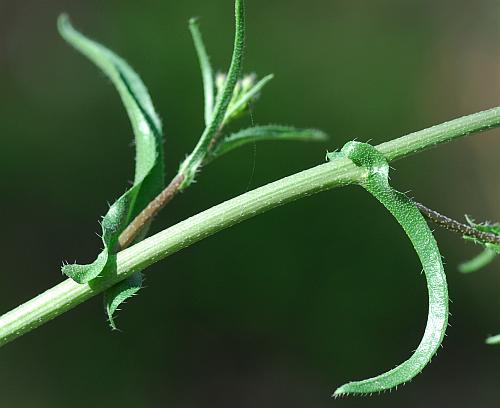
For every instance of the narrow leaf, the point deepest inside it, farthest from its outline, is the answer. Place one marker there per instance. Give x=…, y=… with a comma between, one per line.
x=491, y=228
x=206, y=69
x=409, y=217
x=149, y=169
x=266, y=133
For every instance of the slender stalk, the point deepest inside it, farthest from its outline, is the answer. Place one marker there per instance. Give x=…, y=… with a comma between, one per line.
x=153, y=208
x=341, y=172
x=189, y=167
x=456, y=226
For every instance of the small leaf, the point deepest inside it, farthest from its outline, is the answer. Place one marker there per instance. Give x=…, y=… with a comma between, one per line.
x=484, y=227
x=119, y=293
x=112, y=224
x=479, y=262
x=149, y=168
x=409, y=217
x=266, y=133
x=206, y=69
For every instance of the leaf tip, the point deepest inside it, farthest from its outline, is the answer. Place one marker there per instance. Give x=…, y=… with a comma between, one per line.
x=465, y=270
x=75, y=272
x=319, y=135
x=341, y=392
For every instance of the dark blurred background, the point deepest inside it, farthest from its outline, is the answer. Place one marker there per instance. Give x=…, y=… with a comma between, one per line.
x=279, y=310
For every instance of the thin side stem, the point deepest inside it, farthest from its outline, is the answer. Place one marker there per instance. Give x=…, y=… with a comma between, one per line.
x=195, y=160
x=153, y=208
x=341, y=172
x=456, y=226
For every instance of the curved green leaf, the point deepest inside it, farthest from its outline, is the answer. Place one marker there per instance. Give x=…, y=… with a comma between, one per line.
x=149, y=169
x=415, y=226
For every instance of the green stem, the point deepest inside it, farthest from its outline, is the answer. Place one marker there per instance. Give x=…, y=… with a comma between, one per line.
x=69, y=294
x=192, y=164
x=194, y=161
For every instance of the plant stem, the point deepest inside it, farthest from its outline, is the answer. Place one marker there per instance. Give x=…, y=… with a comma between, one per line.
x=192, y=164
x=147, y=215
x=341, y=172
x=456, y=226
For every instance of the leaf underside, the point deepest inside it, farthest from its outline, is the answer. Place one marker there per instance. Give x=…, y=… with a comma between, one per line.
x=415, y=226
x=149, y=169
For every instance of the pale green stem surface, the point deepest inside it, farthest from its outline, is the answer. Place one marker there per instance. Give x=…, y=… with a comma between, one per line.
x=69, y=294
